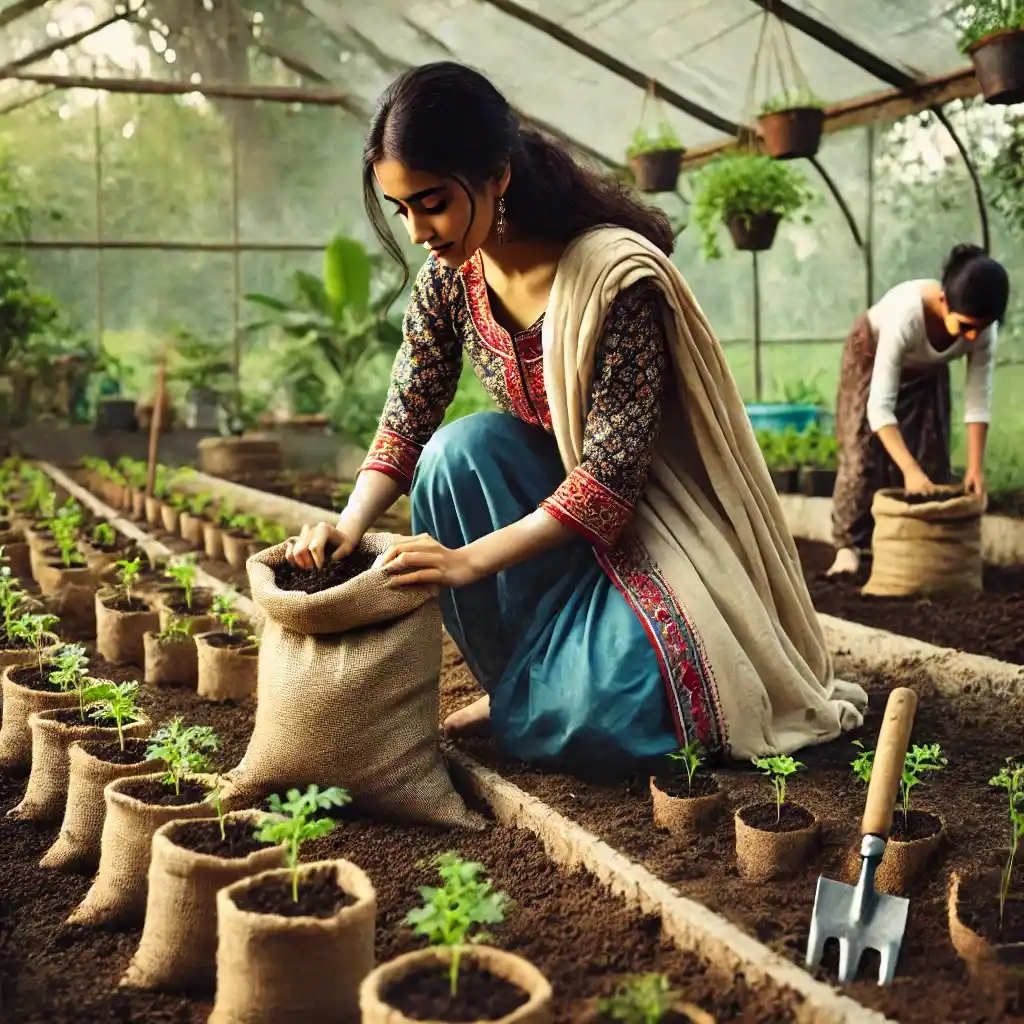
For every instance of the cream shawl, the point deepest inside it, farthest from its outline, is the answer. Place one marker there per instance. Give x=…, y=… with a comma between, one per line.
x=709, y=519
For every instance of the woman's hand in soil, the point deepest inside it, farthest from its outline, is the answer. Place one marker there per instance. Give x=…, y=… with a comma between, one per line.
x=916, y=481
x=422, y=559
x=309, y=549
x=974, y=482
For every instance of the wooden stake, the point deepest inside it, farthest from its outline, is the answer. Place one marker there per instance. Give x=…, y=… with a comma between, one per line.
x=156, y=424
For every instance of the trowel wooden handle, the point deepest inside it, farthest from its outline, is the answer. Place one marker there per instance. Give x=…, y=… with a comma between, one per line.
x=887, y=769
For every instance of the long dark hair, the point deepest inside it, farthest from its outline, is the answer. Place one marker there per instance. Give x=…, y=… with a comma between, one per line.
x=448, y=120
x=975, y=284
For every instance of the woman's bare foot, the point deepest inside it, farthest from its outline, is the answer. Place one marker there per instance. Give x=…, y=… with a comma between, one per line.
x=472, y=720
x=847, y=562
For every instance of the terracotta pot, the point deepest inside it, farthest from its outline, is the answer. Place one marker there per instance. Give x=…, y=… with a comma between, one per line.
x=236, y=549
x=77, y=847
x=657, y=171
x=792, y=134
x=686, y=816
x=169, y=664
x=119, y=634
x=19, y=704
x=754, y=234
x=258, y=955
x=47, y=790
x=213, y=541
x=154, y=511
x=999, y=65
x=507, y=966
x=170, y=518
x=225, y=673
x=192, y=529
x=761, y=855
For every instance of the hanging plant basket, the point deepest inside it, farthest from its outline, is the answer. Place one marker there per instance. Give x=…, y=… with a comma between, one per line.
x=999, y=65
x=755, y=233
x=792, y=134
x=658, y=170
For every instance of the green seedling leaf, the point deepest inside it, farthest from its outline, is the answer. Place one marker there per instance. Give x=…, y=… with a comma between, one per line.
x=778, y=769
x=183, y=749
x=1010, y=778
x=691, y=760
x=116, y=701
x=641, y=999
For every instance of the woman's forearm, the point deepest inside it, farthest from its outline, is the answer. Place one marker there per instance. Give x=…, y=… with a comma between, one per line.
x=892, y=440
x=532, y=535
x=977, y=436
x=373, y=494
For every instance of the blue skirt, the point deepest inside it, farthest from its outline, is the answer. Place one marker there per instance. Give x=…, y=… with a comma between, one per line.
x=572, y=676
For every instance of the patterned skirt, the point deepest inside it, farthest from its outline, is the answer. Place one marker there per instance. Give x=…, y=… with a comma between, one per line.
x=923, y=414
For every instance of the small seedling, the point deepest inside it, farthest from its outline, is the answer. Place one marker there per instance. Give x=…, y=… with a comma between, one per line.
x=452, y=911
x=214, y=797
x=183, y=749
x=177, y=629
x=1010, y=778
x=691, y=760
x=298, y=824
x=919, y=759
x=242, y=523
x=270, y=533
x=223, y=607
x=116, y=701
x=32, y=629
x=104, y=535
x=183, y=572
x=778, y=769
x=198, y=504
x=641, y=999
x=128, y=571
x=225, y=515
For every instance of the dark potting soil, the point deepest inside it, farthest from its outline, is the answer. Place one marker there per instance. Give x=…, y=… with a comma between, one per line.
x=916, y=825
x=72, y=716
x=927, y=499
x=979, y=907
x=30, y=677
x=319, y=896
x=204, y=837
x=134, y=751
x=332, y=574
x=121, y=604
x=201, y=605
x=426, y=995
x=234, y=640
x=675, y=784
x=981, y=623
x=15, y=643
x=153, y=791
x=976, y=731
x=771, y=818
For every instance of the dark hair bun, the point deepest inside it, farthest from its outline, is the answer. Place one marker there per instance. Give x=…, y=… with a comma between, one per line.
x=960, y=256
x=975, y=284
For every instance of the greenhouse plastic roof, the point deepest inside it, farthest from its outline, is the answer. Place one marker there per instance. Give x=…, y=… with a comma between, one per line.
x=701, y=50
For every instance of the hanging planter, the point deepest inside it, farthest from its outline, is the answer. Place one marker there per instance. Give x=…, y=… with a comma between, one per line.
x=792, y=126
x=655, y=155
x=749, y=193
x=992, y=34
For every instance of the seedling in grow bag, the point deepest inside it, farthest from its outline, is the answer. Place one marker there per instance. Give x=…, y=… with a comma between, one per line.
x=451, y=912
x=199, y=503
x=128, y=571
x=225, y=515
x=176, y=629
x=298, y=825
x=104, y=535
x=691, y=762
x=919, y=759
x=31, y=629
x=270, y=533
x=183, y=572
x=215, y=799
x=242, y=523
x=778, y=769
x=641, y=999
x=1010, y=778
x=116, y=701
x=183, y=749
x=223, y=607
x=69, y=553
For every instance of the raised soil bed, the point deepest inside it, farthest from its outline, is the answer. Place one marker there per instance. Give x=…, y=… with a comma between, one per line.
x=990, y=623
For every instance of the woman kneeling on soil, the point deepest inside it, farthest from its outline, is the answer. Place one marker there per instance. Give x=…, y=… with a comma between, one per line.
x=892, y=414
x=615, y=564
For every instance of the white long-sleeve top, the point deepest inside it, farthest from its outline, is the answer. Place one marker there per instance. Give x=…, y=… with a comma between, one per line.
x=899, y=323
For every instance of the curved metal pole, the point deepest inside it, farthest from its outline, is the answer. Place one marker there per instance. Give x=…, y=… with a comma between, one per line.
x=834, y=189
x=972, y=171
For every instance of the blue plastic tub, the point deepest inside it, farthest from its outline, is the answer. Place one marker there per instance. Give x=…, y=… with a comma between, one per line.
x=780, y=415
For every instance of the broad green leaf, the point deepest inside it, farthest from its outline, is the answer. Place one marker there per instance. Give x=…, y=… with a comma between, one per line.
x=347, y=272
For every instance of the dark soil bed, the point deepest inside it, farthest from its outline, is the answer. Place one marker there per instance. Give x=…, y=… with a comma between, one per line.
x=232, y=640
x=204, y=837
x=201, y=604
x=134, y=751
x=121, y=604
x=991, y=622
x=585, y=941
x=976, y=732
x=770, y=818
x=30, y=677
x=331, y=574
x=916, y=825
x=319, y=896
x=426, y=995
x=72, y=716
x=674, y=784
x=152, y=791
x=979, y=908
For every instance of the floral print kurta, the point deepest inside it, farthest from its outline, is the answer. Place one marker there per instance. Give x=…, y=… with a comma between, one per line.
x=449, y=318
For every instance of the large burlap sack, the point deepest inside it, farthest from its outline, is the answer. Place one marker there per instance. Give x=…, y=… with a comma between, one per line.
x=261, y=957
x=347, y=694
x=77, y=847
x=178, y=948
x=119, y=634
x=121, y=885
x=47, y=790
x=925, y=546
x=225, y=673
x=20, y=702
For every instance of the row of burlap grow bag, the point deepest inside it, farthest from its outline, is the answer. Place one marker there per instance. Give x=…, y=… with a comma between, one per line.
x=70, y=591
x=53, y=733
x=925, y=543
x=27, y=689
x=348, y=688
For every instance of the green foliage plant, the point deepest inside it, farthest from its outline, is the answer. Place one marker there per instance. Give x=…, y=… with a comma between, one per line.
x=183, y=748
x=1010, y=778
x=32, y=629
x=128, y=571
x=177, y=629
x=662, y=138
x=640, y=999
x=117, y=701
x=981, y=20
x=920, y=760
x=689, y=757
x=104, y=535
x=792, y=99
x=778, y=769
x=183, y=572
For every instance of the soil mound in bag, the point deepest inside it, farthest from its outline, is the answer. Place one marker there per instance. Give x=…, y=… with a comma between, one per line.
x=348, y=689
x=925, y=544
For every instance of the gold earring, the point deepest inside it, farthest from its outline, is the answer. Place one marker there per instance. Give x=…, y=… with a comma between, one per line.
x=502, y=222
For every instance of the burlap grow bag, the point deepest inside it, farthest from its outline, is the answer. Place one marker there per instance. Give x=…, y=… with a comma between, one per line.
x=46, y=794
x=347, y=694
x=20, y=702
x=121, y=885
x=933, y=547
x=169, y=663
x=191, y=528
x=272, y=969
x=77, y=847
x=71, y=594
x=18, y=556
x=119, y=634
x=179, y=940
x=225, y=673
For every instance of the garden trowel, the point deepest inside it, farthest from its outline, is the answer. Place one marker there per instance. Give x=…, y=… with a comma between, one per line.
x=859, y=916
